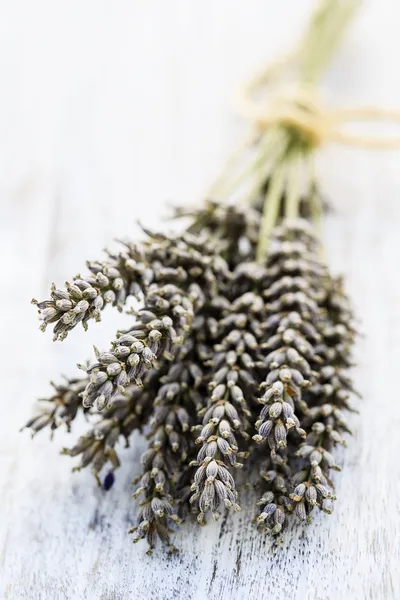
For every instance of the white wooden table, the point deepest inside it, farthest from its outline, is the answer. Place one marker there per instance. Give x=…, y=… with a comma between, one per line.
x=107, y=110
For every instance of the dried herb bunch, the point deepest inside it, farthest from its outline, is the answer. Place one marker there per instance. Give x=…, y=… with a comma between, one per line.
x=240, y=345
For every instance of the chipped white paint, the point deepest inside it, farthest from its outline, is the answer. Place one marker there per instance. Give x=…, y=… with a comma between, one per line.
x=107, y=110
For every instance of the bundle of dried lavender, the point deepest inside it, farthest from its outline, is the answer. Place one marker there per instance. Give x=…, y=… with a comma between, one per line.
x=241, y=345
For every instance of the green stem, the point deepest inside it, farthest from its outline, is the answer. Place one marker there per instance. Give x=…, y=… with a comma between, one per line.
x=271, y=211
x=266, y=164
x=316, y=206
x=293, y=186
x=271, y=141
x=323, y=36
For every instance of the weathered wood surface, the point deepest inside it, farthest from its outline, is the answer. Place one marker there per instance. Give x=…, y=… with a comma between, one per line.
x=107, y=110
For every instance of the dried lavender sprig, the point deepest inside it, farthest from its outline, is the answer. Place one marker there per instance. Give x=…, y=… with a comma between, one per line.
x=233, y=380
x=156, y=510
x=275, y=504
x=292, y=307
x=326, y=421
x=311, y=484
x=163, y=322
x=61, y=408
x=294, y=293
x=170, y=444
x=110, y=282
x=338, y=331
x=127, y=413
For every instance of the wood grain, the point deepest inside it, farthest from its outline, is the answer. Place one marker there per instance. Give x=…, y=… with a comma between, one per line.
x=108, y=110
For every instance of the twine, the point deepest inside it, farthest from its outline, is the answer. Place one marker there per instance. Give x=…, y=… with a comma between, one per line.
x=302, y=108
